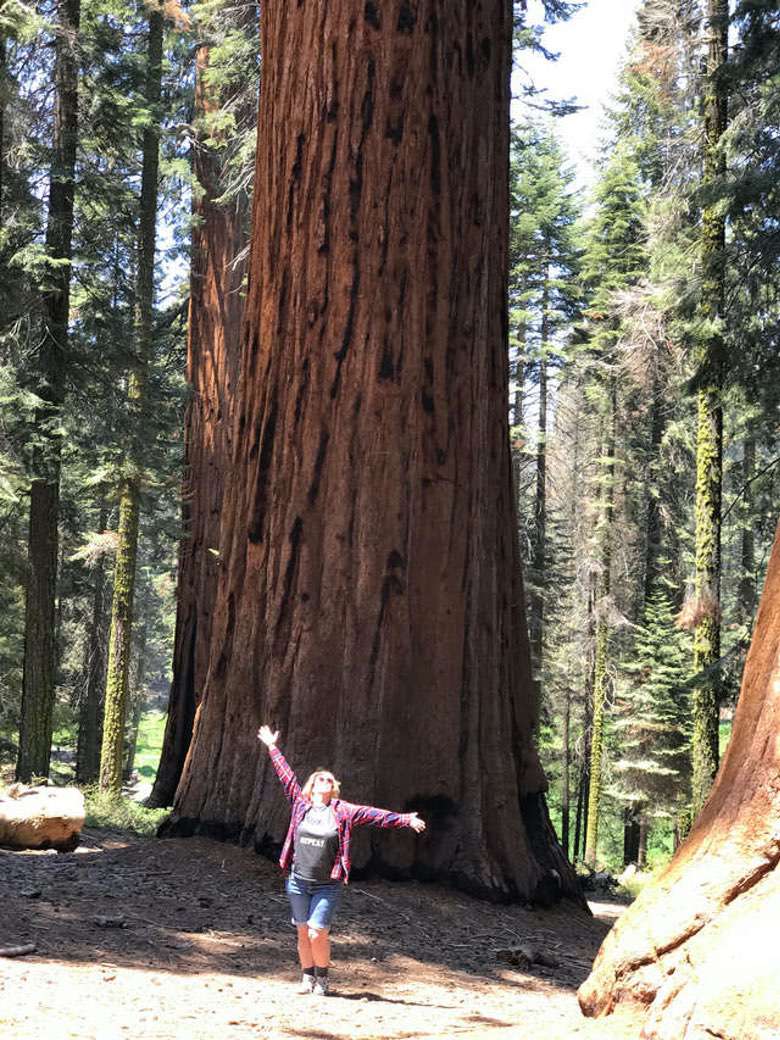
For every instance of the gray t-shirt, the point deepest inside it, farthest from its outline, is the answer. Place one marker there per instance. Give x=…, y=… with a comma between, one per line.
x=316, y=844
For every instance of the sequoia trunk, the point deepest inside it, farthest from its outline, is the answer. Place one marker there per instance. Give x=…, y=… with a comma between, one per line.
x=218, y=238
x=370, y=602
x=674, y=949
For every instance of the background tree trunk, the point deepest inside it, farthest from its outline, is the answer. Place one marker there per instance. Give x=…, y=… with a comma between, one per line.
x=120, y=637
x=600, y=674
x=747, y=582
x=219, y=235
x=674, y=948
x=539, y=558
x=370, y=602
x=35, y=728
x=91, y=702
x=709, y=440
x=3, y=93
x=565, y=771
x=137, y=696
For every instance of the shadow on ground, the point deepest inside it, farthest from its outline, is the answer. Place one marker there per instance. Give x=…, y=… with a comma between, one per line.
x=195, y=905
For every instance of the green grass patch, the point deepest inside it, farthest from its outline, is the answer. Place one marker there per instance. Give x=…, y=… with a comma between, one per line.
x=632, y=884
x=149, y=746
x=724, y=735
x=121, y=814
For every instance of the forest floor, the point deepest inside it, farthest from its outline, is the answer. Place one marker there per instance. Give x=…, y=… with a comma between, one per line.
x=191, y=939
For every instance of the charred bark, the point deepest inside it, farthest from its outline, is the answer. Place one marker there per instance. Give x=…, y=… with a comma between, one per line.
x=673, y=950
x=370, y=602
x=219, y=238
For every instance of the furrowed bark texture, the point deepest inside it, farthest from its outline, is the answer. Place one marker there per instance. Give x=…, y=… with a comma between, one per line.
x=709, y=437
x=214, y=333
x=370, y=601
x=38, y=681
x=696, y=946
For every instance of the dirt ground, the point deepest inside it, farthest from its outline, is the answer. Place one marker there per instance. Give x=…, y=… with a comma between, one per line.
x=191, y=938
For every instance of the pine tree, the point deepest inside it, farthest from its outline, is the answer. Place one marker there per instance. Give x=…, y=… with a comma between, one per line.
x=614, y=259
x=651, y=718
x=35, y=728
x=710, y=359
x=119, y=647
x=543, y=302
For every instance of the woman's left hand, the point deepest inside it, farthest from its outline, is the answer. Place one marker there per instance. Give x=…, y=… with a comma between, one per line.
x=417, y=825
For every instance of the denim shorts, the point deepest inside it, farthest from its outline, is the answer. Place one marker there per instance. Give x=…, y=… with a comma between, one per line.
x=313, y=902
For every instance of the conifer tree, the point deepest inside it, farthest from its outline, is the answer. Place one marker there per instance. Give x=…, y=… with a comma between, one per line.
x=119, y=648
x=651, y=724
x=709, y=441
x=543, y=290
x=49, y=385
x=614, y=259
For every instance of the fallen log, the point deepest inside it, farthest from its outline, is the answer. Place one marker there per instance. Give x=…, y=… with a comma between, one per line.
x=41, y=817
x=17, y=951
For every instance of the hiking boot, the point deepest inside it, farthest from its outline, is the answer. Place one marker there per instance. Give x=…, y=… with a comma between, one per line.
x=320, y=987
x=306, y=984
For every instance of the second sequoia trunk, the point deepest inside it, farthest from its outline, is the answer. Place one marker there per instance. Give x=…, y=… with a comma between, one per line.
x=216, y=304
x=370, y=601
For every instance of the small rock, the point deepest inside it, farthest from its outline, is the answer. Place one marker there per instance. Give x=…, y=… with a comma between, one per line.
x=525, y=956
x=110, y=921
x=31, y=893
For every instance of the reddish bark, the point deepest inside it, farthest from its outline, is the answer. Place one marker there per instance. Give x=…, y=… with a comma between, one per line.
x=370, y=599
x=219, y=235
x=696, y=947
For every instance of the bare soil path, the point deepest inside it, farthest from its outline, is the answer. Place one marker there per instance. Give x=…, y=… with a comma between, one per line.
x=191, y=939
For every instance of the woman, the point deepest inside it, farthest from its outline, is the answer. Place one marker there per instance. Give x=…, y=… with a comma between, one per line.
x=316, y=855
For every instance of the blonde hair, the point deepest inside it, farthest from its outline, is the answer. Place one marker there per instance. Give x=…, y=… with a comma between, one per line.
x=309, y=785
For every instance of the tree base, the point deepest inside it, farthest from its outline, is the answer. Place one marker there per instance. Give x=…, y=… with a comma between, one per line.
x=556, y=880
x=716, y=976
x=698, y=948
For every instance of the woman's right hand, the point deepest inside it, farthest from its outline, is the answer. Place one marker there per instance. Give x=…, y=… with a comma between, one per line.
x=267, y=737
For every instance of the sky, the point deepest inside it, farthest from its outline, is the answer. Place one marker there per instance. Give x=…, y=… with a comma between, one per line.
x=592, y=45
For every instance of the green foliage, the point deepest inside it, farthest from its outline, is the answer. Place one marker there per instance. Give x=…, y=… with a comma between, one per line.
x=651, y=728
x=109, y=812
x=150, y=740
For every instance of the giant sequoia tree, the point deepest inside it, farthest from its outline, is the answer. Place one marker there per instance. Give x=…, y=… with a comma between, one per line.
x=696, y=946
x=370, y=601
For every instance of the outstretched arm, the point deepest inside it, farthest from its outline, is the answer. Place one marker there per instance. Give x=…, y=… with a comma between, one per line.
x=370, y=816
x=287, y=777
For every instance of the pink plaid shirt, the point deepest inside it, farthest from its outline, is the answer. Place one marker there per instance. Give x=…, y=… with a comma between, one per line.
x=347, y=816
